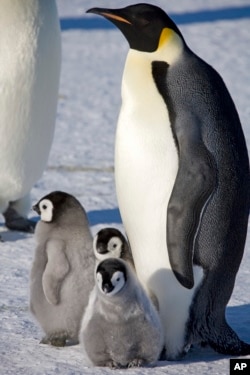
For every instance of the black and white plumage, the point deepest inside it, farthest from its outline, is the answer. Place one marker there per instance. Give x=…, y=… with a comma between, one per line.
x=182, y=180
x=30, y=60
x=62, y=274
x=121, y=327
x=111, y=243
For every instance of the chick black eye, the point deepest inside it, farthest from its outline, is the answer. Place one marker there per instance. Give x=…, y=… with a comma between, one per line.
x=44, y=206
x=118, y=279
x=115, y=245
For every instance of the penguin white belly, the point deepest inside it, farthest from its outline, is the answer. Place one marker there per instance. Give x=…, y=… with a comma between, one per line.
x=146, y=165
x=29, y=77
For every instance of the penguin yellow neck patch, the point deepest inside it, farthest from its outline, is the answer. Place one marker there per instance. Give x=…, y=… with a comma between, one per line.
x=166, y=34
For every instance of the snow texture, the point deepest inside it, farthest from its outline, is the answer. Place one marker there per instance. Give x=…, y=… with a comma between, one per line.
x=81, y=163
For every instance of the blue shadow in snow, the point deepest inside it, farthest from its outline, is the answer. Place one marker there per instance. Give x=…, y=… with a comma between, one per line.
x=95, y=23
x=239, y=319
x=107, y=216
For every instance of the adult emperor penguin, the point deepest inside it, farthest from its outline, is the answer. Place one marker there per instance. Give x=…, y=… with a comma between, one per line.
x=120, y=327
x=62, y=274
x=30, y=59
x=182, y=180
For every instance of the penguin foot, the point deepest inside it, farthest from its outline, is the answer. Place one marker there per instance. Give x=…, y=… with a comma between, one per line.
x=14, y=221
x=232, y=347
x=58, y=340
x=114, y=365
x=136, y=363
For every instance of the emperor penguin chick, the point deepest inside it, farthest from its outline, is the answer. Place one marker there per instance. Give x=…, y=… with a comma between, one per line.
x=111, y=243
x=62, y=274
x=121, y=327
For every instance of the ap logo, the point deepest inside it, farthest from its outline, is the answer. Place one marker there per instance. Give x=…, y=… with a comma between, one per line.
x=239, y=366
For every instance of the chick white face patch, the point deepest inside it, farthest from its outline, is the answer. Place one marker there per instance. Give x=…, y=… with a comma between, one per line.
x=115, y=247
x=46, y=208
x=112, y=250
x=118, y=281
x=112, y=286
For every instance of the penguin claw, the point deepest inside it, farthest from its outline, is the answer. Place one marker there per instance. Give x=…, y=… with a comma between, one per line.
x=114, y=365
x=58, y=341
x=135, y=363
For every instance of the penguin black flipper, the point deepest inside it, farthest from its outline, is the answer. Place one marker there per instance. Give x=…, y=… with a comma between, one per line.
x=194, y=185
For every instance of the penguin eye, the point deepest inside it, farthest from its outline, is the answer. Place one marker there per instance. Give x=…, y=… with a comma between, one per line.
x=114, y=245
x=118, y=279
x=44, y=207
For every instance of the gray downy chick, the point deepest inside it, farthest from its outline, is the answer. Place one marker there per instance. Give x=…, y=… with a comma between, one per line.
x=120, y=328
x=111, y=243
x=62, y=274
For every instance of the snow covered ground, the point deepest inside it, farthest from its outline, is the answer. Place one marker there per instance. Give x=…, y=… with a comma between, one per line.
x=81, y=163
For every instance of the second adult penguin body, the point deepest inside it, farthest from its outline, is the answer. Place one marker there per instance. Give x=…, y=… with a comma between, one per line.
x=182, y=180
x=30, y=61
x=62, y=273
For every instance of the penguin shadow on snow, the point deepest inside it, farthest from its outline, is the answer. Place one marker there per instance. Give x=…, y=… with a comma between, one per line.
x=239, y=318
x=107, y=216
x=11, y=236
x=207, y=15
x=7, y=235
x=95, y=217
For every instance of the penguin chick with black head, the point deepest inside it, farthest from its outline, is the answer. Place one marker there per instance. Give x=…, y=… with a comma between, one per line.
x=121, y=327
x=182, y=180
x=111, y=243
x=62, y=274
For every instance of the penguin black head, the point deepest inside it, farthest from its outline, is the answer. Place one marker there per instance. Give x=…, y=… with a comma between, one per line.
x=111, y=276
x=144, y=26
x=55, y=205
x=109, y=242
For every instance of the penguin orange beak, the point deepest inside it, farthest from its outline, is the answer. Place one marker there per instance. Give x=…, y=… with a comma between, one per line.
x=107, y=13
x=114, y=17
